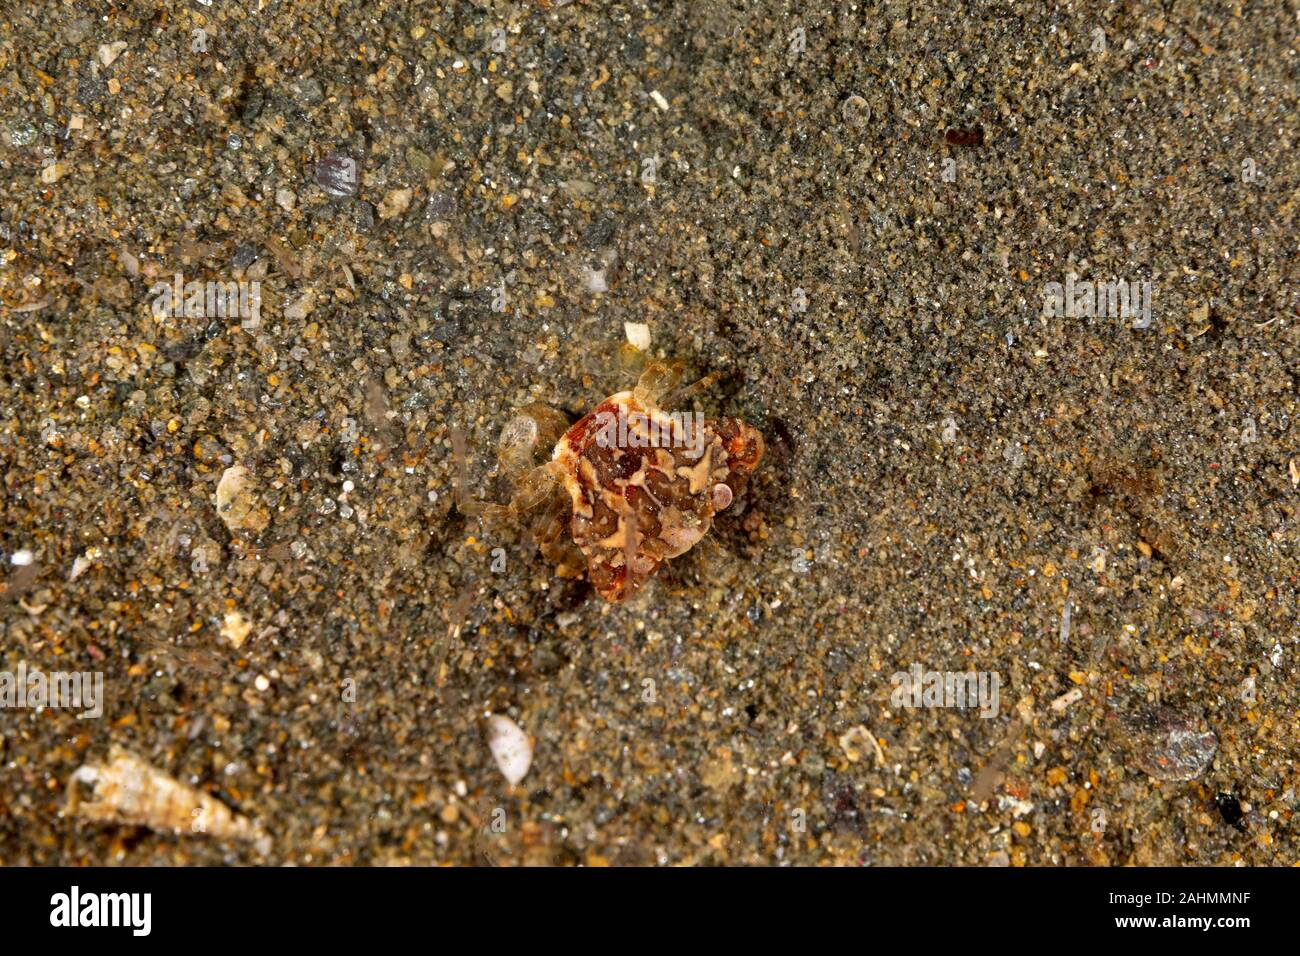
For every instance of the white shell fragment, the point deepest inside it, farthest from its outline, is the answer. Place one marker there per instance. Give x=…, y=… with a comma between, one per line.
x=235, y=628
x=83, y=562
x=237, y=501
x=855, y=741
x=510, y=746
x=638, y=333
x=1062, y=703
x=108, y=52
x=129, y=792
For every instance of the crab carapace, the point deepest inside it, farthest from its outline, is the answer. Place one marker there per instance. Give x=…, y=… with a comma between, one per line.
x=636, y=485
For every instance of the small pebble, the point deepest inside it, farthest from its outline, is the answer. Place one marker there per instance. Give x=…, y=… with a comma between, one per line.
x=235, y=628
x=856, y=112
x=395, y=203
x=337, y=175
x=22, y=133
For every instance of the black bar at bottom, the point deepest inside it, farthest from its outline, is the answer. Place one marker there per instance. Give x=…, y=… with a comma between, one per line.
x=338, y=906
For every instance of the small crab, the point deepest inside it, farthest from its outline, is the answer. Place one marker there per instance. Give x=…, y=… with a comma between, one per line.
x=638, y=485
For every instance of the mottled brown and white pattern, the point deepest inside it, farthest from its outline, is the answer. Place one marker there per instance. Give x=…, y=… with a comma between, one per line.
x=642, y=485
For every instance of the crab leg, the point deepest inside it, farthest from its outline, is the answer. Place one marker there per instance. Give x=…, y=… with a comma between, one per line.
x=658, y=378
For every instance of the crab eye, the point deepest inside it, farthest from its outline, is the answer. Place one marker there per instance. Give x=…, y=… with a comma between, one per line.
x=721, y=497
